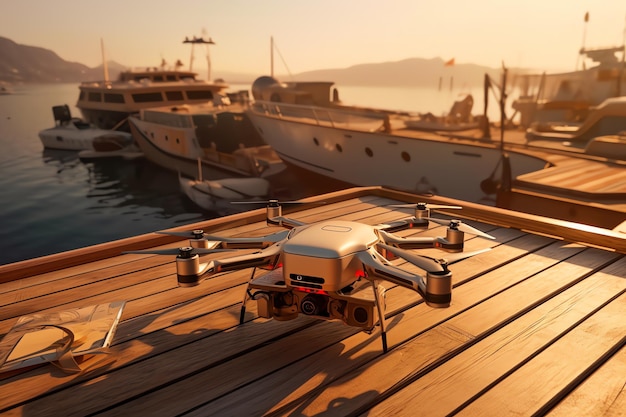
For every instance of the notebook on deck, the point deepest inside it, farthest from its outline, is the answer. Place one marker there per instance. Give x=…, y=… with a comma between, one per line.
x=58, y=337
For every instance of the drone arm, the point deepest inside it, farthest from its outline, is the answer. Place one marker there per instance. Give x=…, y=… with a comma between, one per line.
x=190, y=271
x=375, y=266
x=267, y=257
x=400, y=225
x=284, y=222
x=408, y=243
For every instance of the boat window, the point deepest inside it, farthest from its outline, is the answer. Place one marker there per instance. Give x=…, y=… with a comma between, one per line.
x=113, y=98
x=94, y=97
x=174, y=95
x=172, y=78
x=147, y=97
x=369, y=152
x=157, y=78
x=405, y=156
x=200, y=95
x=317, y=142
x=81, y=96
x=339, y=148
x=204, y=120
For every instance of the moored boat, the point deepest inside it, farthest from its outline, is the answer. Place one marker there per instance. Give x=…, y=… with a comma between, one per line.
x=570, y=96
x=74, y=134
x=218, y=195
x=174, y=137
x=369, y=147
x=106, y=103
x=609, y=118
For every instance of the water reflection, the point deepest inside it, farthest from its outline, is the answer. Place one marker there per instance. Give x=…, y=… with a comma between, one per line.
x=137, y=186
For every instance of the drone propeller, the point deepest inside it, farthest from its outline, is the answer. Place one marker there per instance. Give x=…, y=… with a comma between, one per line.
x=462, y=227
x=429, y=263
x=191, y=234
x=271, y=238
x=183, y=252
x=274, y=202
x=199, y=234
x=425, y=206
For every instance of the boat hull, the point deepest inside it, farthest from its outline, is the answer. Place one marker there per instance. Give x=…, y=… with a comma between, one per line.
x=72, y=139
x=177, y=149
x=217, y=195
x=366, y=158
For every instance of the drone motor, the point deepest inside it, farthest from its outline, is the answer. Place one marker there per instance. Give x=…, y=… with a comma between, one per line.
x=438, y=292
x=187, y=267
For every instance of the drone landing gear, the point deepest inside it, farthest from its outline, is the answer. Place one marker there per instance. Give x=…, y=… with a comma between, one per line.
x=381, y=315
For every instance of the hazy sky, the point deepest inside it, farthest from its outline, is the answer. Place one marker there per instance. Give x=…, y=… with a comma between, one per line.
x=316, y=34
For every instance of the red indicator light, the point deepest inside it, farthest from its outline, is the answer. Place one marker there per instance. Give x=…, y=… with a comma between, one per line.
x=311, y=290
x=360, y=273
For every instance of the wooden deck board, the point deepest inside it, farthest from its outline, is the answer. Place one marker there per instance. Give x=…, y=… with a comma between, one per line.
x=601, y=394
x=534, y=305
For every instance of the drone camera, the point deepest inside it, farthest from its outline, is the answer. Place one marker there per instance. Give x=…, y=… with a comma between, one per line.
x=314, y=305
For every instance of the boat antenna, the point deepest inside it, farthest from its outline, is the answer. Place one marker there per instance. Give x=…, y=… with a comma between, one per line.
x=281, y=58
x=193, y=41
x=105, y=65
x=582, y=48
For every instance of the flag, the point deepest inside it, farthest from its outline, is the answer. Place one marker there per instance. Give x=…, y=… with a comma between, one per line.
x=449, y=63
x=587, y=17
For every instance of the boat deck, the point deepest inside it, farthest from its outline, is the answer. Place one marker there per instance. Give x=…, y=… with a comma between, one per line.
x=575, y=186
x=537, y=325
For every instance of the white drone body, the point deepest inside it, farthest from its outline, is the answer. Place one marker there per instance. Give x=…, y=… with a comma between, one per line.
x=330, y=270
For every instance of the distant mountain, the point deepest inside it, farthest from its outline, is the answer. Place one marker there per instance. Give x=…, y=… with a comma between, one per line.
x=418, y=72
x=30, y=64
x=20, y=63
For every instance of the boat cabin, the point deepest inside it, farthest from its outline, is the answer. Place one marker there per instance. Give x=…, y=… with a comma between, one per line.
x=316, y=93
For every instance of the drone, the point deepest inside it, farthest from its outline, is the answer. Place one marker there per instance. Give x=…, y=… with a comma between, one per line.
x=330, y=270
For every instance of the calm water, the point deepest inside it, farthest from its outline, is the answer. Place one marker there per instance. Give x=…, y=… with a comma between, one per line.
x=53, y=202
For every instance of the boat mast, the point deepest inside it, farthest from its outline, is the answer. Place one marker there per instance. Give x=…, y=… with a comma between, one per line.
x=105, y=65
x=272, y=56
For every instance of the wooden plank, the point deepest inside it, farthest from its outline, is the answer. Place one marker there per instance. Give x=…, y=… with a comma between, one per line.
x=464, y=377
x=586, y=346
x=602, y=394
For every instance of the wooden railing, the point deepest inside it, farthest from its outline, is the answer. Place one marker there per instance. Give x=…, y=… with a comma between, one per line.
x=567, y=231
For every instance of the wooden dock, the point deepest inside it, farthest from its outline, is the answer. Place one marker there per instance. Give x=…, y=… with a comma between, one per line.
x=537, y=326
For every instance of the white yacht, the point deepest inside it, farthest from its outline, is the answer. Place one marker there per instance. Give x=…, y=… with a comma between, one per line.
x=106, y=103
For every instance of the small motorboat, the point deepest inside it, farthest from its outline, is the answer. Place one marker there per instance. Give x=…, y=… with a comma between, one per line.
x=217, y=195
x=112, y=146
x=73, y=134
